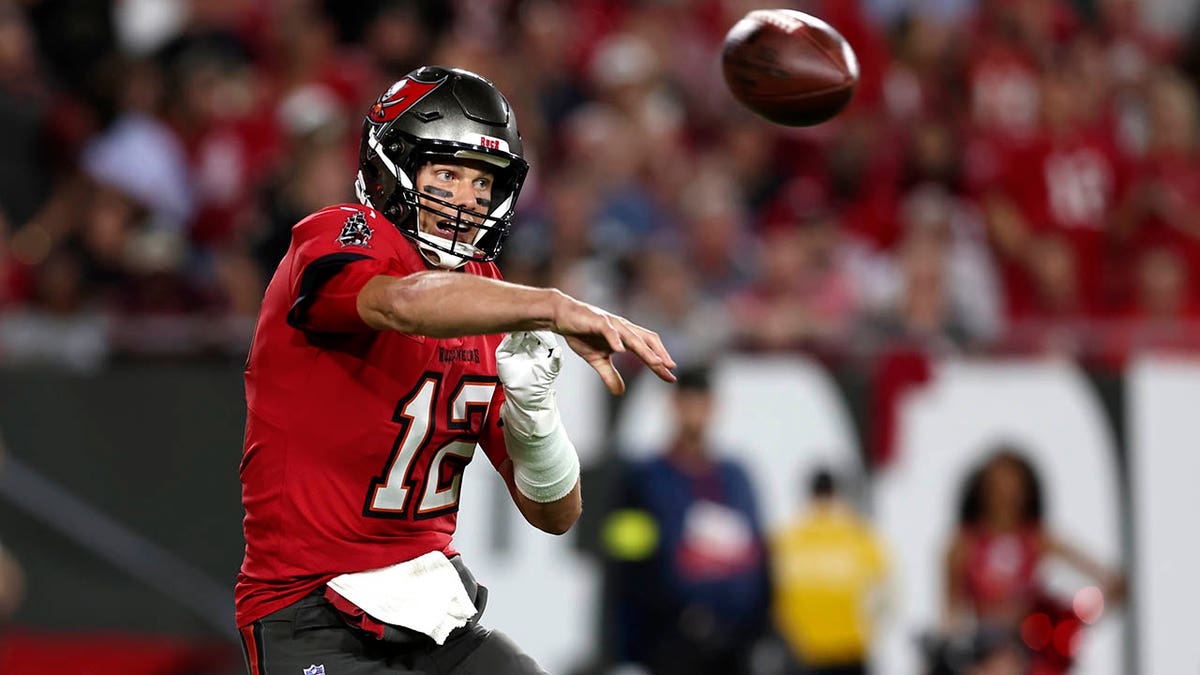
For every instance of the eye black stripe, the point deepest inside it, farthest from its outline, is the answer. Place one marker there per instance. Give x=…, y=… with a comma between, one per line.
x=438, y=192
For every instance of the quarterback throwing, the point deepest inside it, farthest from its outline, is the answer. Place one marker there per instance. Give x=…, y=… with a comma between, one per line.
x=387, y=349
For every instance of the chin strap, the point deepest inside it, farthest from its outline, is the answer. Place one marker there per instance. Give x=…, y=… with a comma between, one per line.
x=430, y=243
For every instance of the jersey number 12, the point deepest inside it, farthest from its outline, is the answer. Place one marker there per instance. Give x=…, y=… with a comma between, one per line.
x=393, y=493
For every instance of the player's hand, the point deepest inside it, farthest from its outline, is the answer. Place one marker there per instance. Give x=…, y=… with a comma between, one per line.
x=528, y=363
x=596, y=335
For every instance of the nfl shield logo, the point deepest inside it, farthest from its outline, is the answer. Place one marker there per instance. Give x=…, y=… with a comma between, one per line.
x=315, y=670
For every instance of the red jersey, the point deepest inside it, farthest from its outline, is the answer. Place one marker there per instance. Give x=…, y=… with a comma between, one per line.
x=356, y=440
x=1067, y=188
x=1002, y=571
x=1175, y=179
x=1002, y=85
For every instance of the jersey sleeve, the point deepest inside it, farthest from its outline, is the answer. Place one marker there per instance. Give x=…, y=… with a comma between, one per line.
x=333, y=257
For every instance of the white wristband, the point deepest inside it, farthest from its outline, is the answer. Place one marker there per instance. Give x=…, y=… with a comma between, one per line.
x=545, y=468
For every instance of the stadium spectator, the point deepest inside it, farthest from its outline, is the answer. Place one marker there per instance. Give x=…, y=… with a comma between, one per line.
x=714, y=229
x=601, y=142
x=806, y=295
x=561, y=243
x=697, y=600
x=1161, y=208
x=1054, y=318
x=59, y=328
x=1026, y=106
x=748, y=150
x=25, y=108
x=862, y=169
x=924, y=54
x=1162, y=290
x=830, y=573
x=1065, y=182
x=312, y=180
x=930, y=211
x=666, y=299
x=920, y=312
x=1163, y=316
x=993, y=564
x=1132, y=52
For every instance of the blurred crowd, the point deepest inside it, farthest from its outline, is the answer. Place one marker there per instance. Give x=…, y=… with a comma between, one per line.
x=1011, y=175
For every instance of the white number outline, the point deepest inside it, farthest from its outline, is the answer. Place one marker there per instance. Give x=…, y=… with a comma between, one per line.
x=391, y=493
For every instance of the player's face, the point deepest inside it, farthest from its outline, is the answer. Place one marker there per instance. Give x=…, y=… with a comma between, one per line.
x=467, y=185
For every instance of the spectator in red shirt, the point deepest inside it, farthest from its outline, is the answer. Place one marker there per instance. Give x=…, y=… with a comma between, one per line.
x=1162, y=207
x=1162, y=290
x=1064, y=183
x=1132, y=50
x=1053, y=316
x=1164, y=315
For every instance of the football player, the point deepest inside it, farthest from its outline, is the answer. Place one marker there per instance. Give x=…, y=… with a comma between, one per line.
x=379, y=362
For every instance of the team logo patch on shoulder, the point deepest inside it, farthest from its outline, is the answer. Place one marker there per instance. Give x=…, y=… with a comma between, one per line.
x=356, y=232
x=315, y=670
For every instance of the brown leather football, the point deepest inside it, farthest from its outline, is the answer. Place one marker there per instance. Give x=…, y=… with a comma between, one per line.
x=789, y=67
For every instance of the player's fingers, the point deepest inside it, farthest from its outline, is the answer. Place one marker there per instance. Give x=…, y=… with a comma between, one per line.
x=664, y=373
x=635, y=338
x=608, y=373
x=655, y=342
x=611, y=335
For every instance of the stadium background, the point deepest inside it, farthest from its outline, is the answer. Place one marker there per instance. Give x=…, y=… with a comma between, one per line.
x=998, y=239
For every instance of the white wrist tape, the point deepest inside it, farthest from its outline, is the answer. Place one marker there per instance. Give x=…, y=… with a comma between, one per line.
x=545, y=468
x=545, y=464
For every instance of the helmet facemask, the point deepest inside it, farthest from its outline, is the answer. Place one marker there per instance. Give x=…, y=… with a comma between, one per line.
x=392, y=154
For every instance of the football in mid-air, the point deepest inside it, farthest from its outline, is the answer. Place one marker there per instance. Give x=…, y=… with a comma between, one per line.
x=789, y=67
